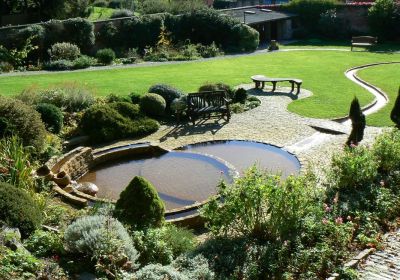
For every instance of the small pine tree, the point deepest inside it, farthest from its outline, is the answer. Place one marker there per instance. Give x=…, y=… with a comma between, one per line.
x=395, y=114
x=139, y=205
x=357, y=122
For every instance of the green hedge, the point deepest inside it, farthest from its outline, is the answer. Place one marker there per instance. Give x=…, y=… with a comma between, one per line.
x=203, y=26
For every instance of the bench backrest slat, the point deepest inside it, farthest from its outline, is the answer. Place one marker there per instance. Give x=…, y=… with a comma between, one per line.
x=207, y=98
x=365, y=39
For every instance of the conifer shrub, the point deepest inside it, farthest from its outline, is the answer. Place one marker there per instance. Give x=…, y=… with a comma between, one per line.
x=357, y=123
x=139, y=205
x=153, y=104
x=395, y=113
x=51, y=116
x=18, y=209
x=23, y=121
x=103, y=123
x=240, y=95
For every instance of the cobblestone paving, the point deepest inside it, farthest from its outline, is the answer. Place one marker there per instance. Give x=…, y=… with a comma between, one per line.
x=383, y=264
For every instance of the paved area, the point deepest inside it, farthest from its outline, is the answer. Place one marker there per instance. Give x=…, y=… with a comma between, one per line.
x=383, y=264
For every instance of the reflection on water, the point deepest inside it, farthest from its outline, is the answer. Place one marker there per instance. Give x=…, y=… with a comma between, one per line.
x=243, y=154
x=180, y=178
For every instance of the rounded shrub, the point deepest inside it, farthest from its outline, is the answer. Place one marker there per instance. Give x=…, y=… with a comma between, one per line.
x=246, y=38
x=65, y=51
x=96, y=235
x=139, y=205
x=135, y=97
x=23, y=121
x=51, y=116
x=83, y=62
x=122, y=13
x=105, y=56
x=152, y=104
x=167, y=92
x=126, y=109
x=18, y=209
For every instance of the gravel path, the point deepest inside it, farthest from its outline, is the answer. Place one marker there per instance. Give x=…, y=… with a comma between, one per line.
x=383, y=264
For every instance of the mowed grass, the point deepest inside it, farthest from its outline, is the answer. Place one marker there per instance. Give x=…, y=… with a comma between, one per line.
x=387, y=78
x=99, y=13
x=322, y=72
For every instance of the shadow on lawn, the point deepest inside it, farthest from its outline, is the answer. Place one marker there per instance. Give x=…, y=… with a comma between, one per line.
x=259, y=92
x=202, y=126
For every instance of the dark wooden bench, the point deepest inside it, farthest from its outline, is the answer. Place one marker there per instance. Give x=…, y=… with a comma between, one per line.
x=260, y=81
x=363, y=41
x=207, y=103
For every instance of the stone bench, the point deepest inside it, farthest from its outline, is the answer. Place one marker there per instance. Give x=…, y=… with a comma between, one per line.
x=260, y=81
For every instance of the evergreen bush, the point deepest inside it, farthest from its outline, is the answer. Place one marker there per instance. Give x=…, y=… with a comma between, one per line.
x=51, y=116
x=139, y=205
x=357, y=123
x=169, y=93
x=384, y=19
x=152, y=104
x=104, y=123
x=18, y=209
x=240, y=95
x=65, y=51
x=22, y=121
x=395, y=113
x=58, y=65
x=105, y=56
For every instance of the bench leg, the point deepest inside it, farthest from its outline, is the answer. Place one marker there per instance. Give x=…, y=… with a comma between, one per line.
x=298, y=88
x=257, y=84
x=262, y=85
x=273, y=86
x=292, y=83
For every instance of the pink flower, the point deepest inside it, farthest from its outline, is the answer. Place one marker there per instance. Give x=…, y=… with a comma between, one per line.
x=339, y=220
x=324, y=221
x=327, y=208
x=335, y=200
x=382, y=183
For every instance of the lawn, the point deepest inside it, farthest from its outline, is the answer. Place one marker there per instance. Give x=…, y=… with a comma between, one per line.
x=387, y=78
x=99, y=13
x=322, y=73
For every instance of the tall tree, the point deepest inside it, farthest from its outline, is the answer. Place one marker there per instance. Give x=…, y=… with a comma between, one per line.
x=357, y=122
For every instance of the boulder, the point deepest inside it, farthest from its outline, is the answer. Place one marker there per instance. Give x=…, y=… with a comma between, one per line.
x=88, y=188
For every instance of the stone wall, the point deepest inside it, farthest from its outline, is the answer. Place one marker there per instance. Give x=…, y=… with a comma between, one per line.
x=79, y=164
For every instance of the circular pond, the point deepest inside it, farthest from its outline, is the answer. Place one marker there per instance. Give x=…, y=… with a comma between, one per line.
x=243, y=154
x=181, y=179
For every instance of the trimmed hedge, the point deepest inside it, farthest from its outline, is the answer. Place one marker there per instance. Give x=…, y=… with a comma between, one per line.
x=139, y=205
x=104, y=123
x=105, y=56
x=22, y=121
x=18, y=209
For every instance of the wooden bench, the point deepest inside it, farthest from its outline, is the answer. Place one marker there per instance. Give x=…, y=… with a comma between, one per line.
x=260, y=81
x=363, y=41
x=207, y=103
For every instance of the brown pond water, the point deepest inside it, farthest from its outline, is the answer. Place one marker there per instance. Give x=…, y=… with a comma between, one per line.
x=243, y=154
x=181, y=179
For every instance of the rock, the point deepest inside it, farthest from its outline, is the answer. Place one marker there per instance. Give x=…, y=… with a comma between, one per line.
x=11, y=238
x=88, y=188
x=44, y=171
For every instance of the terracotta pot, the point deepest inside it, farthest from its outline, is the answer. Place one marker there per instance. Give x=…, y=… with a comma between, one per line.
x=62, y=179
